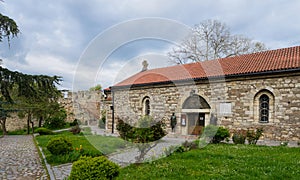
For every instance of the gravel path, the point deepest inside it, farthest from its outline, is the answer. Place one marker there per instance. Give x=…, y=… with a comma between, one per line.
x=19, y=159
x=160, y=150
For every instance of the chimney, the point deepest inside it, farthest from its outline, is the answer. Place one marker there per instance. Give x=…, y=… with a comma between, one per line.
x=145, y=65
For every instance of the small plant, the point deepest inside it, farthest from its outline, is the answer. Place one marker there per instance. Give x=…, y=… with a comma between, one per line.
x=94, y=168
x=75, y=130
x=238, y=138
x=180, y=149
x=253, y=136
x=80, y=149
x=59, y=146
x=169, y=151
x=187, y=146
x=75, y=122
x=215, y=133
x=221, y=134
x=44, y=131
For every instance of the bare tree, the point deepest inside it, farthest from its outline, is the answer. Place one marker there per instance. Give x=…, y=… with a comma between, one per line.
x=212, y=39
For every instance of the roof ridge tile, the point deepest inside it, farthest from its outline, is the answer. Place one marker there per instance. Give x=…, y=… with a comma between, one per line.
x=270, y=60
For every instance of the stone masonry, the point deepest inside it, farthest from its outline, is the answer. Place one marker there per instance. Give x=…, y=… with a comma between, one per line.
x=240, y=94
x=82, y=105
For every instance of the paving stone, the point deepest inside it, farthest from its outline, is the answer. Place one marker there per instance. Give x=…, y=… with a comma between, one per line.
x=20, y=159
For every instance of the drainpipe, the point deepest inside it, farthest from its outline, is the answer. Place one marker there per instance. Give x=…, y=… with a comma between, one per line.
x=113, y=112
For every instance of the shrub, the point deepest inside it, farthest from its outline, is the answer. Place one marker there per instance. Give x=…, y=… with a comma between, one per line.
x=101, y=124
x=56, y=120
x=238, y=138
x=74, y=123
x=215, y=133
x=59, y=146
x=187, y=146
x=146, y=131
x=94, y=168
x=75, y=130
x=102, y=121
x=221, y=134
x=44, y=131
x=253, y=136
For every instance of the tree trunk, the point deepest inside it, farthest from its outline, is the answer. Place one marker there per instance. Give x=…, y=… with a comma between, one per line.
x=28, y=122
x=40, y=121
x=32, y=126
x=3, y=125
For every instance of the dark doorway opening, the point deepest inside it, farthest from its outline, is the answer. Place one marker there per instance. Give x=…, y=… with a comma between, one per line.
x=196, y=122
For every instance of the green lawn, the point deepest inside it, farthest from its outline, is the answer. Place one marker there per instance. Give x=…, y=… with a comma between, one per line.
x=222, y=162
x=92, y=145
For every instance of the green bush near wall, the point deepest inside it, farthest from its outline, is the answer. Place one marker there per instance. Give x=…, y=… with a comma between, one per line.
x=94, y=168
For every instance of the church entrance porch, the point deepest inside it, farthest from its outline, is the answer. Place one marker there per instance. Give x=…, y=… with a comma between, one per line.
x=195, y=112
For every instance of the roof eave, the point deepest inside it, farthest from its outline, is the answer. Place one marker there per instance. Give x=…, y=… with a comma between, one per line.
x=208, y=78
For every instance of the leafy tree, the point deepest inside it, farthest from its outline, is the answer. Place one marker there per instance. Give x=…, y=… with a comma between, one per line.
x=56, y=118
x=145, y=134
x=6, y=108
x=211, y=39
x=8, y=28
x=26, y=88
x=96, y=88
x=40, y=105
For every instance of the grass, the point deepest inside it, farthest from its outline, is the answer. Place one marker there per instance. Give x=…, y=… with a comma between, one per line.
x=222, y=161
x=18, y=132
x=24, y=130
x=93, y=145
x=77, y=140
x=107, y=144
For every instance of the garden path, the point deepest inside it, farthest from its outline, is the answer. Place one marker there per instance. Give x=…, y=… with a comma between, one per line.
x=19, y=159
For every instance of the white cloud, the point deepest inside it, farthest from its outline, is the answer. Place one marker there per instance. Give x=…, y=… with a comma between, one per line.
x=55, y=33
x=37, y=63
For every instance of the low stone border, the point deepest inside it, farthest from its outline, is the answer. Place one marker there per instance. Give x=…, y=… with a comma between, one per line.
x=48, y=166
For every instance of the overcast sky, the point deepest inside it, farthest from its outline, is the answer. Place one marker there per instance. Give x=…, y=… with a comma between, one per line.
x=61, y=37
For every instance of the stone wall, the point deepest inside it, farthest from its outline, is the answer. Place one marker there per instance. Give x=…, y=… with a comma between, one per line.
x=83, y=105
x=15, y=123
x=240, y=95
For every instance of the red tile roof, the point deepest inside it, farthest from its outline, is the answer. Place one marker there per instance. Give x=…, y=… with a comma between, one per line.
x=267, y=61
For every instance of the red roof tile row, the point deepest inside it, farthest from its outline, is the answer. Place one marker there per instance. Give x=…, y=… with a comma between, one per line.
x=267, y=61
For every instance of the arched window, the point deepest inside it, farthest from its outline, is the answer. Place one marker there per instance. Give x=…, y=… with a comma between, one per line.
x=264, y=108
x=146, y=106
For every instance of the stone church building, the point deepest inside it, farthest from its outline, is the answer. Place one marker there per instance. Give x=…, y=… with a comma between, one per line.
x=247, y=91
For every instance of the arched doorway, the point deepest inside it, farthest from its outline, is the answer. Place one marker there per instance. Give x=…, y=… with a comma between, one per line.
x=196, y=110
